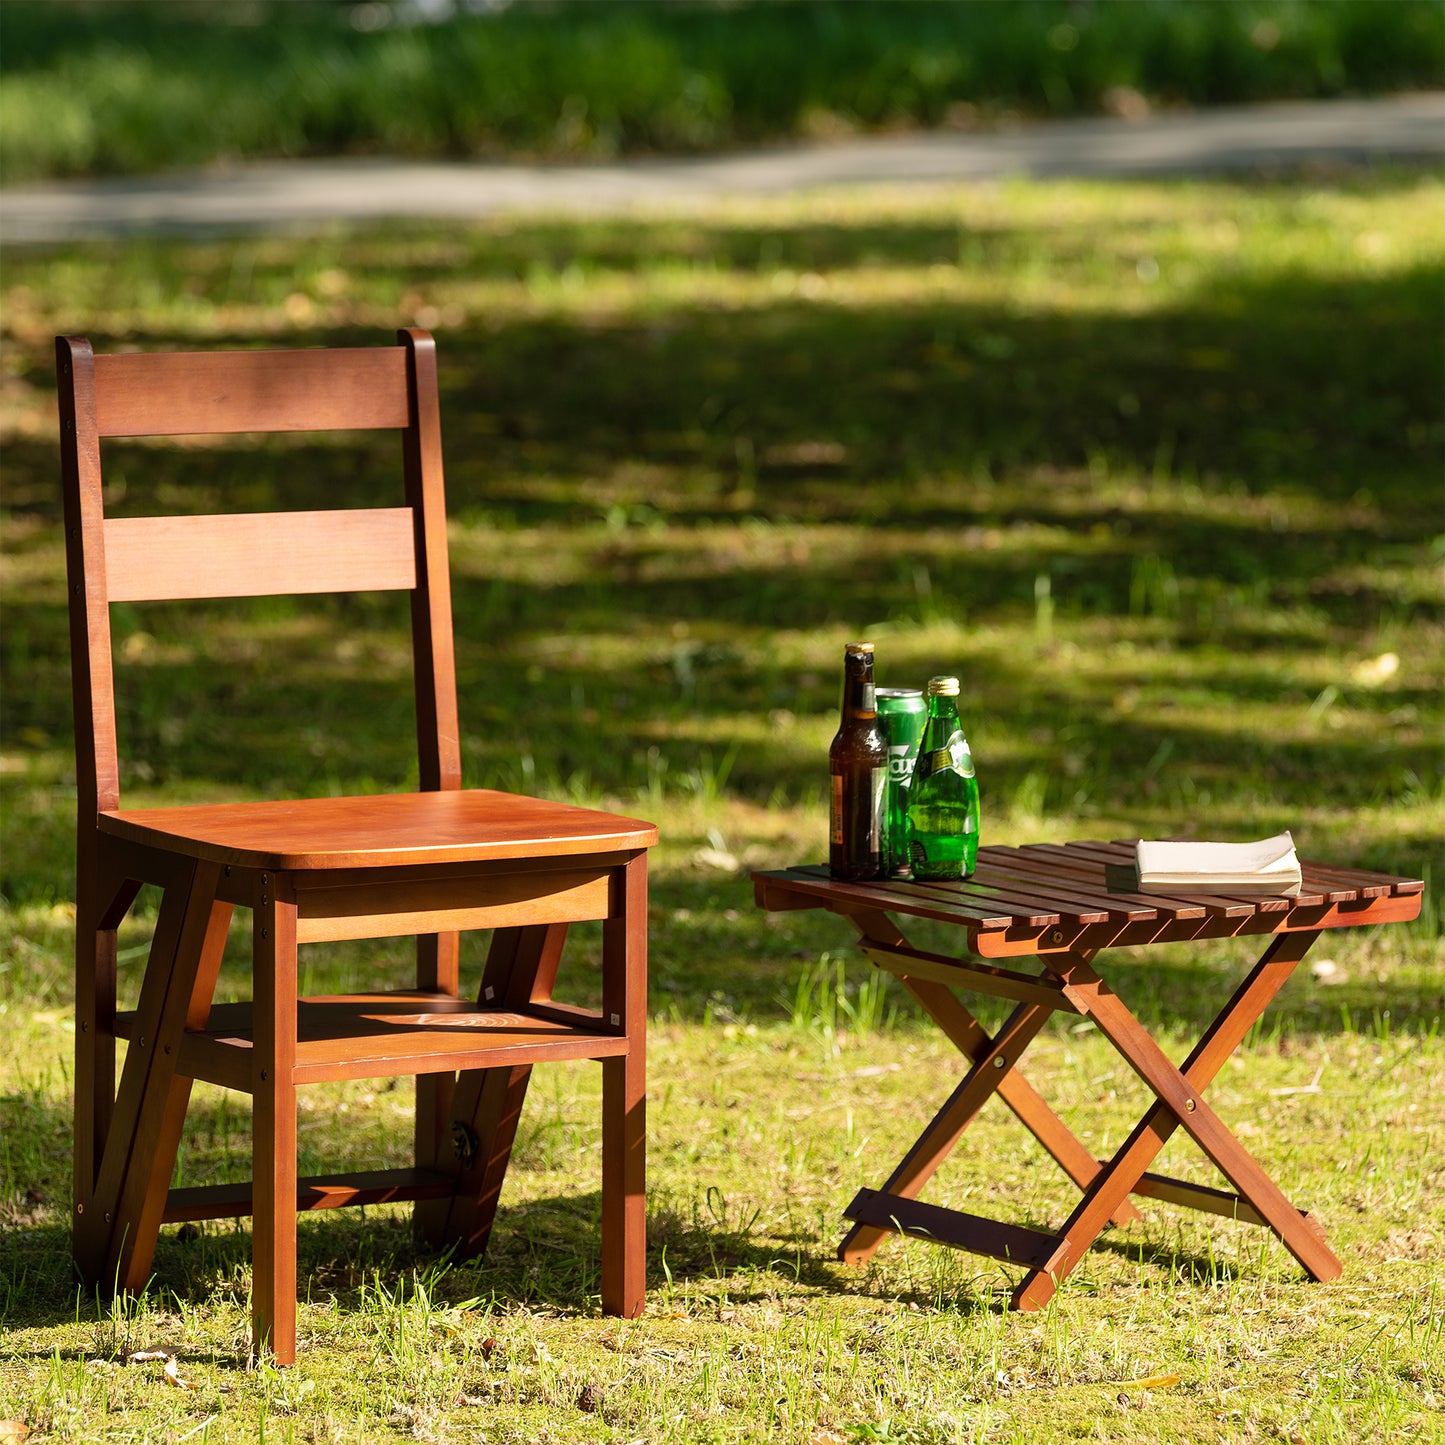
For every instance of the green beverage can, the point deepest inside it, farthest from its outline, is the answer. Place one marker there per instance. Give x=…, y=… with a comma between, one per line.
x=901, y=713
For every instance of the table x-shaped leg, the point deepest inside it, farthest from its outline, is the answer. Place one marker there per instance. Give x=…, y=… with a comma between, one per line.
x=1179, y=1092
x=994, y=1070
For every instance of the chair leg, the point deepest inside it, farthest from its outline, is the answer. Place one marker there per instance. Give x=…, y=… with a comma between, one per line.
x=151, y=1107
x=95, y=966
x=273, y=1140
x=438, y=957
x=94, y=1054
x=103, y=1221
x=624, y=1207
x=488, y=1106
x=624, y=1097
x=103, y=898
x=521, y=968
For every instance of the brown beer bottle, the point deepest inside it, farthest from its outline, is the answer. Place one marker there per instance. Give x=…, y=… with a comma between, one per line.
x=858, y=762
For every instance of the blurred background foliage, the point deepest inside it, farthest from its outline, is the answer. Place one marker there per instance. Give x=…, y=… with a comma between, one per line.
x=118, y=86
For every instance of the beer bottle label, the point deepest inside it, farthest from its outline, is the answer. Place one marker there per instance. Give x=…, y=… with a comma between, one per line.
x=870, y=697
x=837, y=810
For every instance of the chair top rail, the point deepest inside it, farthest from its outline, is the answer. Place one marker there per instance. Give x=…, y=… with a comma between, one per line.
x=210, y=392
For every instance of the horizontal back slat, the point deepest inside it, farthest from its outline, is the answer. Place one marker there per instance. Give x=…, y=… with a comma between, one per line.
x=194, y=392
x=259, y=554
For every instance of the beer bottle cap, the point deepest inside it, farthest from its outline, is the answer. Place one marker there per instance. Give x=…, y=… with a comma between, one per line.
x=943, y=687
x=856, y=647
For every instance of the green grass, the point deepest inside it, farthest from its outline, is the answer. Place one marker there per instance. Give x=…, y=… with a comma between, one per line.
x=89, y=88
x=1155, y=468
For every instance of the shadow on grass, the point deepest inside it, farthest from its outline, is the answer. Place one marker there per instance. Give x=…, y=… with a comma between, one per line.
x=647, y=500
x=543, y=1254
x=1291, y=475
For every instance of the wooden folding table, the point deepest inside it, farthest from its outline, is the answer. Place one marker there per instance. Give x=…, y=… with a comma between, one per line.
x=1062, y=904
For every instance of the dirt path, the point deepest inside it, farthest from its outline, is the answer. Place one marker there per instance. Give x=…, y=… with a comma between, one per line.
x=299, y=194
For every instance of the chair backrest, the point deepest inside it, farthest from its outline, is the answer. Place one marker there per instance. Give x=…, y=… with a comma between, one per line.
x=161, y=558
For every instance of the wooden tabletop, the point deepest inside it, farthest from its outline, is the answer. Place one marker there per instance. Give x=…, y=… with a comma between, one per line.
x=1051, y=896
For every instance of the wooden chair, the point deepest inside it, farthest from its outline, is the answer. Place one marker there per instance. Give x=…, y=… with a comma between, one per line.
x=429, y=864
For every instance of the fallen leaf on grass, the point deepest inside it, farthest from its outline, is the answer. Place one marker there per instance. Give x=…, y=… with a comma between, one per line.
x=13, y=1430
x=172, y=1370
x=717, y=859
x=872, y=1071
x=173, y=1374
x=1313, y=1087
x=1150, y=1382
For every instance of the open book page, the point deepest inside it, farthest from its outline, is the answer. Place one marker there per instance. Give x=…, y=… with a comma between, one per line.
x=1267, y=866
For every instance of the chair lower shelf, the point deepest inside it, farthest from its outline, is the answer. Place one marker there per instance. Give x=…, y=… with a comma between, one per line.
x=323, y=1191
x=381, y=1035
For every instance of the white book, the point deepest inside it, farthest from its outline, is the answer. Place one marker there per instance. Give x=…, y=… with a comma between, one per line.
x=1269, y=866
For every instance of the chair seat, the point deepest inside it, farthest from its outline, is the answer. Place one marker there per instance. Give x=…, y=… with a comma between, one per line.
x=378, y=830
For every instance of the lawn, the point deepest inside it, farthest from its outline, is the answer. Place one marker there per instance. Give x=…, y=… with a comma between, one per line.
x=1156, y=469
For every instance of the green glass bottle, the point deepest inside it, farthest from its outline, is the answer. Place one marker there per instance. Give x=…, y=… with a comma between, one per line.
x=943, y=796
